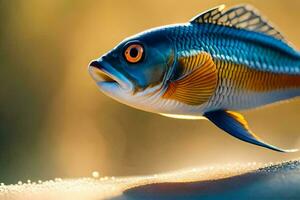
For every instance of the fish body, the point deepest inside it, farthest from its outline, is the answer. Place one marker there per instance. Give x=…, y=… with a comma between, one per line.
x=217, y=64
x=253, y=69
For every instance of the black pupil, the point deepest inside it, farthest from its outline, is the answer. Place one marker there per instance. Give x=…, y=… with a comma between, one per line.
x=134, y=52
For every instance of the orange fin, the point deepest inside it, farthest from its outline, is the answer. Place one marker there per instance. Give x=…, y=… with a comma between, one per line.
x=197, y=81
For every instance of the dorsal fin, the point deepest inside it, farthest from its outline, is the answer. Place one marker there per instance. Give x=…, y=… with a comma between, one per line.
x=241, y=17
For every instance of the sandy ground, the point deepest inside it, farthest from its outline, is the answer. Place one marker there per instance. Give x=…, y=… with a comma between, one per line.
x=242, y=181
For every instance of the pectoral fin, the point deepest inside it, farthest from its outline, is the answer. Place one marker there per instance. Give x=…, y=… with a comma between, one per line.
x=236, y=125
x=196, y=81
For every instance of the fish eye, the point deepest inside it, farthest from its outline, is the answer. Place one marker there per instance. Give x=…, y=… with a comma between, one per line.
x=134, y=53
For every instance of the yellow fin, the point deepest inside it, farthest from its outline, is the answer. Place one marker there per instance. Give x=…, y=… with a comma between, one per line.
x=189, y=117
x=197, y=82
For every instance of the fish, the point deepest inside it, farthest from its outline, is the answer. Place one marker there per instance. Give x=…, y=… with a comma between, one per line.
x=220, y=63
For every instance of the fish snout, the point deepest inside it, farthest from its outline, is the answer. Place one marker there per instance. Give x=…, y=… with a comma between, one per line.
x=98, y=73
x=95, y=63
x=105, y=74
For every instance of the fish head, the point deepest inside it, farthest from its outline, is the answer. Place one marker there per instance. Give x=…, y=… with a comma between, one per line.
x=134, y=69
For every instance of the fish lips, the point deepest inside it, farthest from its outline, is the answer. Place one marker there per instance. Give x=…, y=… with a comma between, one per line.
x=106, y=75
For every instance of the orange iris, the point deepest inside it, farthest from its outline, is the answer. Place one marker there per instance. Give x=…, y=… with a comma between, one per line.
x=134, y=53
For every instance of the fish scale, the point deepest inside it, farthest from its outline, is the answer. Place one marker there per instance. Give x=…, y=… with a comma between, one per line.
x=228, y=49
x=199, y=37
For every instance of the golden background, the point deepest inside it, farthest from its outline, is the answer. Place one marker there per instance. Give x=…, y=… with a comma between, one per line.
x=55, y=123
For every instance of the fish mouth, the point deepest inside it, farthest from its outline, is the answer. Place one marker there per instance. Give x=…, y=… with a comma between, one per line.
x=98, y=74
x=104, y=74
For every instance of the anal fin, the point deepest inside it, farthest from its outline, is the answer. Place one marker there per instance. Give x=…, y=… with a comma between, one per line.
x=236, y=125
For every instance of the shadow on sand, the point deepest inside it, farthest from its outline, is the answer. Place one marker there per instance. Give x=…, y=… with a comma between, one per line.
x=280, y=181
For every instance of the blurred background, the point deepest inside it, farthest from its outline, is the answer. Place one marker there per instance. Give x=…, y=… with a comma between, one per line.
x=55, y=123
